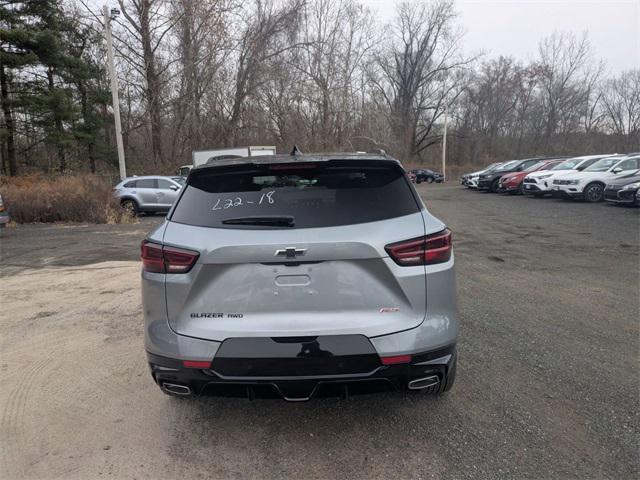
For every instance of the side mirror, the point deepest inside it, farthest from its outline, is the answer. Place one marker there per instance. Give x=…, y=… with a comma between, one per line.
x=174, y=188
x=580, y=168
x=616, y=170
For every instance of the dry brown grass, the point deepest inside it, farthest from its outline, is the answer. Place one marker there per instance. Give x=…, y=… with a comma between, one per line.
x=77, y=198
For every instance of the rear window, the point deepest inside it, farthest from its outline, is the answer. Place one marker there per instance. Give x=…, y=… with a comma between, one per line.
x=306, y=195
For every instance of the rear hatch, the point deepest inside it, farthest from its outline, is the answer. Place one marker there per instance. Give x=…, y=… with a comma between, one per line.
x=295, y=250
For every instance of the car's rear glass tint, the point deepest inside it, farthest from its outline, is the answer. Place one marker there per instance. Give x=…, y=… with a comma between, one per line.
x=315, y=194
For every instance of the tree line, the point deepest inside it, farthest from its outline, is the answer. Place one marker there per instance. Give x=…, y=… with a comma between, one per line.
x=322, y=74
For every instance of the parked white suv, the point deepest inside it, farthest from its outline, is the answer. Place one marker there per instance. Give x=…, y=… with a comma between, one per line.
x=540, y=183
x=590, y=183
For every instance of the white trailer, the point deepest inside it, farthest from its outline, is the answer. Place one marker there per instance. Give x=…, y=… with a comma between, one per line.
x=202, y=157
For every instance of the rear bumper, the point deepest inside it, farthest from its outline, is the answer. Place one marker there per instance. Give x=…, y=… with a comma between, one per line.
x=432, y=365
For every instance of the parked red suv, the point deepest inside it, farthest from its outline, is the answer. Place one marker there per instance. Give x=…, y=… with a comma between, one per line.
x=512, y=182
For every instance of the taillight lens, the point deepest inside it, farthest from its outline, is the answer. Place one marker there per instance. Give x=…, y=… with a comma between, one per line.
x=395, y=360
x=158, y=258
x=196, y=364
x=429, y=250
x=151, y=256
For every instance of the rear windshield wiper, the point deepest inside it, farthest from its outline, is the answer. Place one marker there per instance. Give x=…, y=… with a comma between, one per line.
x=266, y=220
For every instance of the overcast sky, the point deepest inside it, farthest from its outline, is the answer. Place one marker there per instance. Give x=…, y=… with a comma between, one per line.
x=514, y=27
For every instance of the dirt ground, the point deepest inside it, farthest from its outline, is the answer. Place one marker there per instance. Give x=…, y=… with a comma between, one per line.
x=547, y=386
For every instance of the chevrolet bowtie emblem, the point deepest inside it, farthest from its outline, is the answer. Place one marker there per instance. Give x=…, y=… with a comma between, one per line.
x=290, y=252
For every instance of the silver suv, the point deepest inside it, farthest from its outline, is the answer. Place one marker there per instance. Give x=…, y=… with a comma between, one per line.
x=297, y=276
x=148, y=194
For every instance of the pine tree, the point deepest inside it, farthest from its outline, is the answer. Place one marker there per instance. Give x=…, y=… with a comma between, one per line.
x=53, y=79
x=17, y=44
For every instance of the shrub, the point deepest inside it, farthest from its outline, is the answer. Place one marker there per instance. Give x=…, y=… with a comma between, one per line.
x=76, y=198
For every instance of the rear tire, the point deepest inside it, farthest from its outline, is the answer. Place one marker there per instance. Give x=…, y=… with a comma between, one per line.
x=130, y=206
x=495, y=186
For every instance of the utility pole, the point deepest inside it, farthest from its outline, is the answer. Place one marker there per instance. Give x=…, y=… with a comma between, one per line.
x=108, y=15
x=444, y=145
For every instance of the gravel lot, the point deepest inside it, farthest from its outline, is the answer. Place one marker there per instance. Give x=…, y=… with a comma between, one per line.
x=547, y=386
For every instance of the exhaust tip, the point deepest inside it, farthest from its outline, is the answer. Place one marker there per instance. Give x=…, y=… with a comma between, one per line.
x=425, y=382
x=176, y=389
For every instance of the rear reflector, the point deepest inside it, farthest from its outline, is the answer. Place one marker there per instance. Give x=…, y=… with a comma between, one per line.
x=195, y=364
x=429, y=250
x=395, y=360
x=157, y=258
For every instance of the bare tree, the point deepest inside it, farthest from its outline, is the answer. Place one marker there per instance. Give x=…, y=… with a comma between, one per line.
x=492, y=100
x=264, y=35
x=621, y=100
x=417, y=72
x=204, y=43
x=565, y=71
x=334, y=39
x=145, y=27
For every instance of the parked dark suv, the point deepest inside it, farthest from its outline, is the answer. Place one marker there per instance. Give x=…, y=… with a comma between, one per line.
x=490, y=181
x=426, y=175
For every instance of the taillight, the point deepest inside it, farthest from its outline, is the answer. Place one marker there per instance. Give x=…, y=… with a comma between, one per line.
x=429, y=250
x=151, y=256
x=395, y=360
x=158, y=258
x=196, y=364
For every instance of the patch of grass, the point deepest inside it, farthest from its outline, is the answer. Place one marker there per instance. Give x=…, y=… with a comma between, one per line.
x=63, y=198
